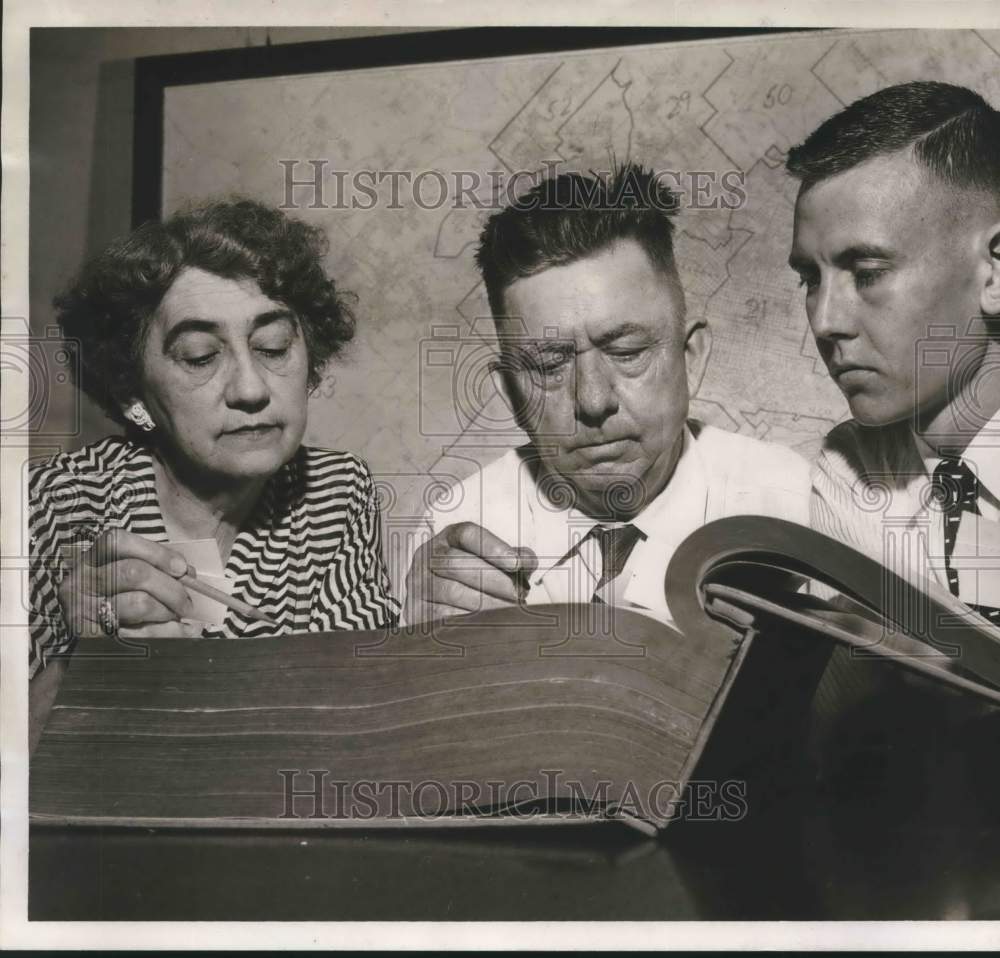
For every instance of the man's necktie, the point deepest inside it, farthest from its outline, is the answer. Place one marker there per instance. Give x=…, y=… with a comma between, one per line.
x=617, y=543
x=959, y=494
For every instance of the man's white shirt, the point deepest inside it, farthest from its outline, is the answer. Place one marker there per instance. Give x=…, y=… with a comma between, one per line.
x=873, y=490
x=718, y=474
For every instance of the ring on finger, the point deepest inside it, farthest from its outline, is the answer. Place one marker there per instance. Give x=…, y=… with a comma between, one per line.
x=107, y=617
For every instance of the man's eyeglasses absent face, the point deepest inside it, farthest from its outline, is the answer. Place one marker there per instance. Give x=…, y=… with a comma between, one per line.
x=888, y=253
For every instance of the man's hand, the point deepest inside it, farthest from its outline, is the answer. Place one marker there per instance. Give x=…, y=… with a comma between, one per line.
x=465, y=568
x=138, y=578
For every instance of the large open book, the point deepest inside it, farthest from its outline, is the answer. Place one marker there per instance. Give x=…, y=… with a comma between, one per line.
x=540, y=714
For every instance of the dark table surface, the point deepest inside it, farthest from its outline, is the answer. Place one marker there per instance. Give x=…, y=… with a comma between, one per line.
x=885, y=831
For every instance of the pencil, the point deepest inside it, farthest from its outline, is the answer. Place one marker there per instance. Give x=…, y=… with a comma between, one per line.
x=247, y=611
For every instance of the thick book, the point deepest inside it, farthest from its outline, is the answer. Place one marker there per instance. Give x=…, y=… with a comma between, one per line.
x=529, y=715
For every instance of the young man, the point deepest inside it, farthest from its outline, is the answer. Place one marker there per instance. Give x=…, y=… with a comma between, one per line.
x=599, y=359
x=897, y=243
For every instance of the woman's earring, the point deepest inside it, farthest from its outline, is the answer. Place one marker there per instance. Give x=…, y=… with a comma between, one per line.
x=138, y=414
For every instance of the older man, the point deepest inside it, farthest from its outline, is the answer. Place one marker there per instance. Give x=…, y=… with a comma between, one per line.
x=897, y=243
x=599, y=360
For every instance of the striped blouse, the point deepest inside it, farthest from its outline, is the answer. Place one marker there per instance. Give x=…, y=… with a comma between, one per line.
x=310, y=557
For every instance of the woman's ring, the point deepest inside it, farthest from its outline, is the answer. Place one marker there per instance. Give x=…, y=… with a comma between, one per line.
x=106, y=616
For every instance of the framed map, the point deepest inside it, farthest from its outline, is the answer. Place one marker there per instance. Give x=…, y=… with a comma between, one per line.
x=400, y=147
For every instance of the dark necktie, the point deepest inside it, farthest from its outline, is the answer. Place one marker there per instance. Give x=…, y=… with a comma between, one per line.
x=616, y=544
x=958, y=490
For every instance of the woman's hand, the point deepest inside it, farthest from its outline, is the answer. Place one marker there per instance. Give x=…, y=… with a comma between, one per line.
x=137, y=578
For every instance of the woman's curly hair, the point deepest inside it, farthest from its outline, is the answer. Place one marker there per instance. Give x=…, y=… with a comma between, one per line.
x=108, y=307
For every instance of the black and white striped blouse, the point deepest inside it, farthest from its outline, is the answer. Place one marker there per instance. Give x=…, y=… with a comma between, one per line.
x=310, y=557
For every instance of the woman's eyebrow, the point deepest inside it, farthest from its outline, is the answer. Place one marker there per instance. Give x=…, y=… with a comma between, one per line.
x=273, y=316
x=190, y=324
x=196, y=324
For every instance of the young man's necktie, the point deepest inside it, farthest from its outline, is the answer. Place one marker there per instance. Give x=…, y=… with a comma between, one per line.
x=959, y=490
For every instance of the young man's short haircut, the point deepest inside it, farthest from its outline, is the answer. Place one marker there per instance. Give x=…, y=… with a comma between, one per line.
x=953, y=131
x=570, y=216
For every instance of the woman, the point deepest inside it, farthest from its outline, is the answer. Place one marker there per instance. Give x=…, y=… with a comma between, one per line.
x=203, y=336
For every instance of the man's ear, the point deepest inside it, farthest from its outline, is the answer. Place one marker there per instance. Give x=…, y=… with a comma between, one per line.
x=697, y=348
x=989, y=297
